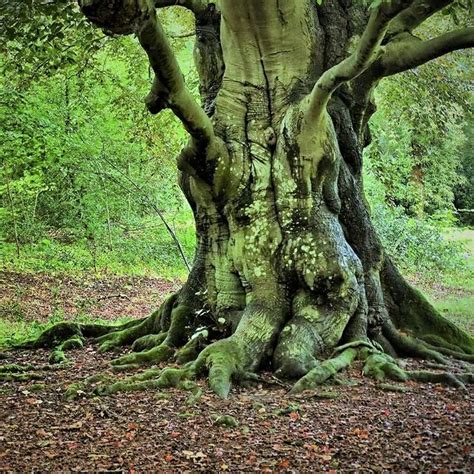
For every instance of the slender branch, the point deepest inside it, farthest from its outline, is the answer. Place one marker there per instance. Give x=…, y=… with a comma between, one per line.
x=366, y=52
x=151, y=204
x=403, y=55
x=189, y=34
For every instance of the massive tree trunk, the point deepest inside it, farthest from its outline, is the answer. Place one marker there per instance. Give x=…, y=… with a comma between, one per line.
x=288, y=269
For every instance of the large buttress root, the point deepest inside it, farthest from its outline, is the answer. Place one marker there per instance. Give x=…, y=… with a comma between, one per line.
x=411, y=312
x=324, y=371
x=223, y=361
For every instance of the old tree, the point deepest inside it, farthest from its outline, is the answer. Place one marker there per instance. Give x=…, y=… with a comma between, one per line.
x=289, y=274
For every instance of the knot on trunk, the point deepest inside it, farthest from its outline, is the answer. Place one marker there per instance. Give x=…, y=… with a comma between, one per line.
x=270, y=137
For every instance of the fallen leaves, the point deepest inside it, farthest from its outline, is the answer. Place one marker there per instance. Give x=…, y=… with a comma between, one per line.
x=362, y=428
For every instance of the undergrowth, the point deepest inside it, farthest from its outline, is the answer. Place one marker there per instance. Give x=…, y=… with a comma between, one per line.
x=146, y=250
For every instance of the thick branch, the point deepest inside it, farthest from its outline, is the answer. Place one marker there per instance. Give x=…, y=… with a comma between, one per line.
x=403, y=55
x=409, y=18
x=367, y=51
x=168, y=90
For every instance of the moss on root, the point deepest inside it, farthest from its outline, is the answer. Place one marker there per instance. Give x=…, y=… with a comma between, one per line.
x=382, y=366
x=190, y=350
x=74, y=342
x=165, y=336
x=223, y=359
x=20, y=377
x=157, y=354
x=149, y=341
x=324, y=371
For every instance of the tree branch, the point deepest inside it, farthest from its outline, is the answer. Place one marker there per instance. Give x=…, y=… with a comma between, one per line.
x=195, y=6
x=168, y=89
x=367, y=51
x=419, y=11
x=409, y=53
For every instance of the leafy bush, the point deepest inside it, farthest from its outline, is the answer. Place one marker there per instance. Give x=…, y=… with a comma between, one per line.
x=416, y=245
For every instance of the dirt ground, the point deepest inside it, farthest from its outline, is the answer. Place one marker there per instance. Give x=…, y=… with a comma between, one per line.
x=37, y=296
x=339, y=428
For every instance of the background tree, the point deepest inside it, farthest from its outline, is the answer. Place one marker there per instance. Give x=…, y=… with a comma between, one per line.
x=288, y=266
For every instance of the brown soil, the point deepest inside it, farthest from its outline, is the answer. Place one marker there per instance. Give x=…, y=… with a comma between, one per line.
x=427, y=428
x=37, y=296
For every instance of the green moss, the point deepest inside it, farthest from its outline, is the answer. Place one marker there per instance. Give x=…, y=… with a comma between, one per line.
x=325, y=370
x=190, y=351
x=125, y=387
x=57, y=356
x=224, y=359
x=10, y=368
x=287, y=410
x=225, y=420
x=389, y=387
x=194, y=398
x=157, y=354
x=74, y=342
x=380, y=366
x=445, y=378
x=171, y=377
x=74, y=390
x=436, y=340
x=19, y=377
x=180, y=317
x=148, y=342
x=187, y=385
x=37, y=387
x=125, y=336
x=125, y=368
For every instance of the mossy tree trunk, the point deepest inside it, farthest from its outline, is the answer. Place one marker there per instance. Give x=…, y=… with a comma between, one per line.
x=288, y=265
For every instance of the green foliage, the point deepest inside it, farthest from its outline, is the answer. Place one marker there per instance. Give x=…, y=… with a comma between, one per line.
x=414, y=163
x=464, y=191
x=144, y=249
x=87, y=174
x=458, y=310
x=44, y=36
x=416, y=149
x=416, y=244
x=419, y=131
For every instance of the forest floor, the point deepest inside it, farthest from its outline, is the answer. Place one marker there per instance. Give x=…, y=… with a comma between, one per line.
x=339, y=428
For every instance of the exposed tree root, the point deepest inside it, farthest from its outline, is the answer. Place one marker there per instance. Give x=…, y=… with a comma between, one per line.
x=148, y=342
x=60, y=332
x=158, y=354
x=409, y=346
x=324, y=371
x=381, y=366
x=164, y=336
x=22, y=377
x=23, y=373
